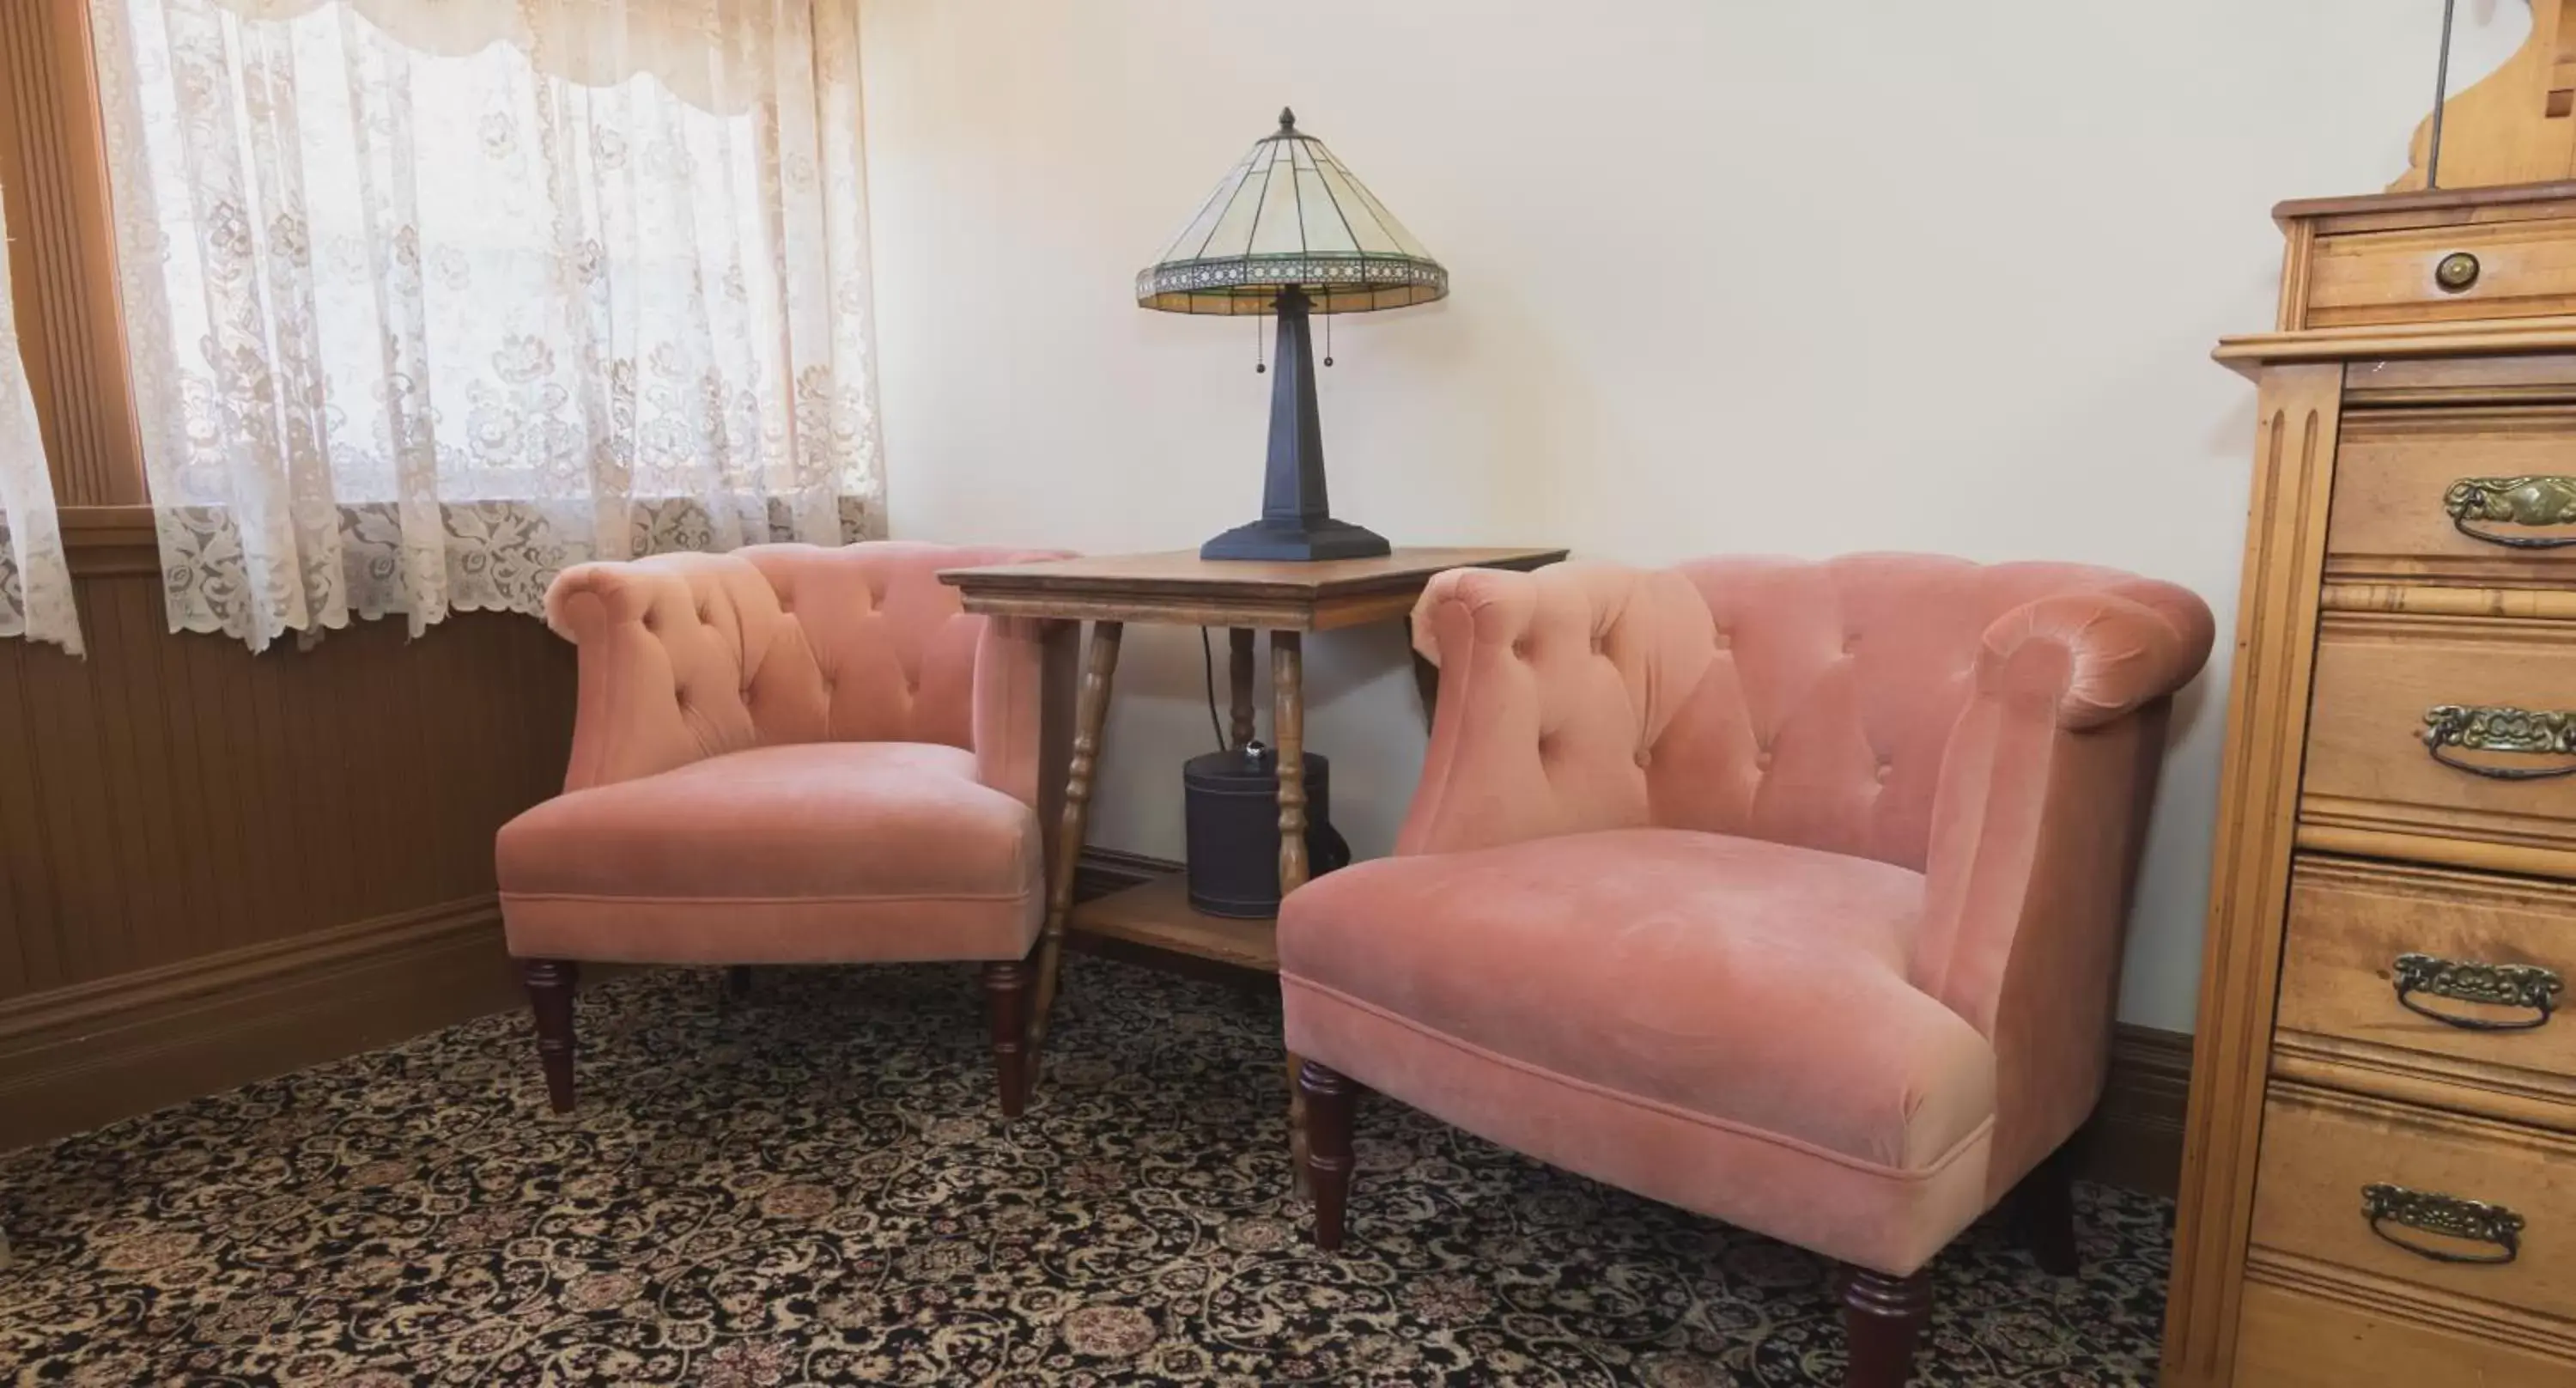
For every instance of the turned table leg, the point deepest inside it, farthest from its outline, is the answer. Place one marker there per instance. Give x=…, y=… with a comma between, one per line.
x=1091, y=714
x=1288, y=729
x=1238, y=673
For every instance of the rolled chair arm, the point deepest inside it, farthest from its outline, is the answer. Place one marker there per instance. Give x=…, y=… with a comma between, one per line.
x=665, y=676
x=2098, y=655
x=1553, y=686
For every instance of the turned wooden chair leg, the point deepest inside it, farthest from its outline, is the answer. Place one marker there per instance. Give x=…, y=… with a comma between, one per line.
x=1883, y=1319
x=1328, y=1148
x=550, y=984
x=1006, y=999
x=2043, y=1209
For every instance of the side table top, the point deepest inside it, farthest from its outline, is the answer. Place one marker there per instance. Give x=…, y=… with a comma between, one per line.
x=1179, y=586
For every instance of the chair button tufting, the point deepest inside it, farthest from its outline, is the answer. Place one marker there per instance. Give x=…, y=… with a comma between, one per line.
x=1762, y=761
x=1884, y=769
x=1521, y=648
x=1645, y=758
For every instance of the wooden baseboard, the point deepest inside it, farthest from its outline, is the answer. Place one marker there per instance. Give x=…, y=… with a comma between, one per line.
x=76, y=1058
x=2134, y=1140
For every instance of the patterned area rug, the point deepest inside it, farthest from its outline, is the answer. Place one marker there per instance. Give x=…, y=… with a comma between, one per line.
x=811, y=1186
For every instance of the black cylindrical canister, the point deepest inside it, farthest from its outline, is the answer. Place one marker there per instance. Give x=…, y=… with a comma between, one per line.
x=1231, y=800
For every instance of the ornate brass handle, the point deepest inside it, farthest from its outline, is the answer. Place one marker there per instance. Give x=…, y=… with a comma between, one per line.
x=2466, y=980
x=2500, y=729
x=2533, y=500
x=2447, y=1215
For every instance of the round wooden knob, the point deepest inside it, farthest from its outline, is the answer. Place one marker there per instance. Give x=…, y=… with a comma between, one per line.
x=2456, y=271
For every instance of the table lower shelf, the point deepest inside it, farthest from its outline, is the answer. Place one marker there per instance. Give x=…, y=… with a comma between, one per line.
x=1159, y=914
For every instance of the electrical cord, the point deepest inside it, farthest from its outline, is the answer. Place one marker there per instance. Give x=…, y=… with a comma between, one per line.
x=1207, y=661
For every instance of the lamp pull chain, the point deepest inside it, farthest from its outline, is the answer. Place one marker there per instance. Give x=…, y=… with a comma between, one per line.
x=1328, y=339
x=1258, y=365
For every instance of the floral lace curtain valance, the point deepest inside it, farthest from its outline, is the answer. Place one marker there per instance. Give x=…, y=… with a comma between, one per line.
x=35, y=582
x=427, y=299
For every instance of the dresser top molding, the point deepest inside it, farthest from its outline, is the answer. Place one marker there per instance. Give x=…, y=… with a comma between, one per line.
x=2441, y=205
x=2485, y=337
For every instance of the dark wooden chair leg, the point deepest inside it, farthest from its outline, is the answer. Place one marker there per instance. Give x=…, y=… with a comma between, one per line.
x=2043, y=1209
x=1328, y=1148
x=1883, y=1319
x=737, y=983
x=1006, y=999
x=550, y=984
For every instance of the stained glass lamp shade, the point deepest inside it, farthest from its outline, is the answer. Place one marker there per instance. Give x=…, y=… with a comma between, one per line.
x=1289, y=231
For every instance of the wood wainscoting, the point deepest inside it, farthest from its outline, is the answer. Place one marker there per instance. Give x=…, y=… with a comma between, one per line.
x=2134, y=1140
x=217, y=866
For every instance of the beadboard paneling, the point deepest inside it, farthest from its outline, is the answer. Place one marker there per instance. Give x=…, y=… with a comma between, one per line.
x=293, y=826
x=177, y=796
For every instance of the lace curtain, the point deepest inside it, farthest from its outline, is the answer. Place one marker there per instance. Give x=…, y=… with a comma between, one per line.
x=420, y=312
x=35, y=583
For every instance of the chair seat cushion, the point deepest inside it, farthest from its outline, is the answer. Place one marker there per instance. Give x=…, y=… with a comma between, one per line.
x=812, y=852
x=1698, y=1017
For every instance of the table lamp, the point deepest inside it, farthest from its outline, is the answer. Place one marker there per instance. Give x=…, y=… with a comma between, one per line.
x=1291, y=232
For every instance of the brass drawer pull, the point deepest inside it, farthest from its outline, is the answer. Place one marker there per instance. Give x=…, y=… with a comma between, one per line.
x=2455, y=272
x=2466, y=980
x=2447, y=1215
x=2500, y=729
x=2513, y=501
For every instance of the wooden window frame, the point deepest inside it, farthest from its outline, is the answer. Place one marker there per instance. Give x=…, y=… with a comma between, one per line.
x=62, y=265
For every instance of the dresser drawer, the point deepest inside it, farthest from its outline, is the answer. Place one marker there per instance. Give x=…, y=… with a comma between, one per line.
x=2289, y=1339
x=2404, y=1193
x=2415, y=730
x=2423, y=274
x=2463, y=495
x=2456, y=965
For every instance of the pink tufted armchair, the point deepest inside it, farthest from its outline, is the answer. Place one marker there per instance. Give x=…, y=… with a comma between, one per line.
x=1790, y=893
x=786, y=755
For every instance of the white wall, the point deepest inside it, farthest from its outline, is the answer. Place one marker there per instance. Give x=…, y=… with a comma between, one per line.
x=1788, y=277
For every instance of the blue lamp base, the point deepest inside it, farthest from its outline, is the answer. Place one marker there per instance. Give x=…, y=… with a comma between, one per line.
x=1297, y=541
x=1296, y=524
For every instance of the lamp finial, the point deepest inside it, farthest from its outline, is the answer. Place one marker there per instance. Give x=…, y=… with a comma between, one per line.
x=1287, y=121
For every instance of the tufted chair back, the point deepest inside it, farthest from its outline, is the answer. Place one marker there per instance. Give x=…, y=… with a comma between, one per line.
x=686, y=656
x=1801, y=702
x=1826, y=713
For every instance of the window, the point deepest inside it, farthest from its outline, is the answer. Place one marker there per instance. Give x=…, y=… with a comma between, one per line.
x=425, y=302
x=35, y=582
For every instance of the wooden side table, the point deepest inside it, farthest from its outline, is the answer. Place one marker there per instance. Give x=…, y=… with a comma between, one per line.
x=1286, y=600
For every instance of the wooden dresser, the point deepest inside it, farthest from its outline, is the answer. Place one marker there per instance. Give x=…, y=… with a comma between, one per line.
x=2380, y=1171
